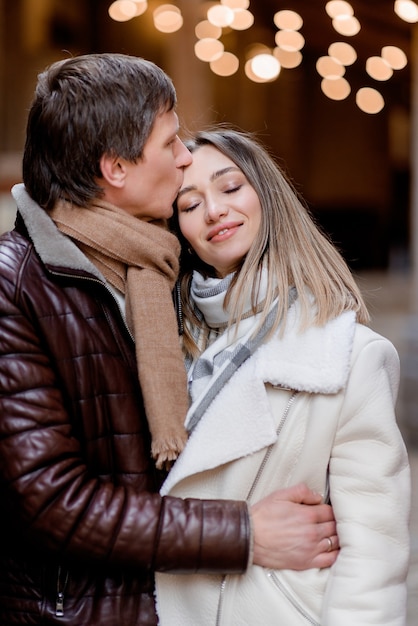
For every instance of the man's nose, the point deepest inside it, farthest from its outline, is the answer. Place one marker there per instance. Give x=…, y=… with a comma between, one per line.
x=184, y=156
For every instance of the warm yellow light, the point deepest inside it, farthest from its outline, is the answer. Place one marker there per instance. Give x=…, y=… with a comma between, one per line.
x=369, y=100
x=205, y=29
x=168, y=20
x=166, y=7
x=406, y=10
x=265, y=66
x=141, y=7
x=289, y=40
x=250, y=74
x=338, y=7
x=257, y=48
x=377, y=68
x=122, y=10
x=288, y=60
x=236, y=4
x=220, y=15
x=395, y=57
x=243, y=19
x=335, y=89
x=208, y=49
x=329, y=67
x=342, y=52
x=346, y=25
x=288, y=20
x=226, y=65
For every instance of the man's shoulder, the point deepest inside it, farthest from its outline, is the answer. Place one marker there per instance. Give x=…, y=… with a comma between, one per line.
x=16, y=251
x=14, y=247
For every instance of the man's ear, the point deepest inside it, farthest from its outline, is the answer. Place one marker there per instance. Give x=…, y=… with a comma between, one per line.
x=113, y=170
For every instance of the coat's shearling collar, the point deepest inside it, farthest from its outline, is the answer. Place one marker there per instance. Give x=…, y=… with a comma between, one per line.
x=54, y=248
x=316, y=360
x=239, y=421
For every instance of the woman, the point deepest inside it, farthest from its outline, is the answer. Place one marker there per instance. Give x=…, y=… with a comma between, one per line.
x=287, y=384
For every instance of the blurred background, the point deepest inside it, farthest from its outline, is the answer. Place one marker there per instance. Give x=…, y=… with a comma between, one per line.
x=352, y=167
x=330, y=87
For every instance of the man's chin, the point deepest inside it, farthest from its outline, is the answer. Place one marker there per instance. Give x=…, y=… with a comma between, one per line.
x=163, y=217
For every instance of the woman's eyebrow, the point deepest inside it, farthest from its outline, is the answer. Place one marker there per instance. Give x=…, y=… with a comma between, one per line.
x=213, y=177
x=186, y=190
x=223, y=171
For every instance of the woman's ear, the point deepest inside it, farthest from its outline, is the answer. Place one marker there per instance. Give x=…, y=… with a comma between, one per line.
x=113, y=170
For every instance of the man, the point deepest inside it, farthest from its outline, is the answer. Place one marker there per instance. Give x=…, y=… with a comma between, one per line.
x=83, y=526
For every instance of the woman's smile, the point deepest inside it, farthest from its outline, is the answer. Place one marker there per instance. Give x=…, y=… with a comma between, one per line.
x=223, y=231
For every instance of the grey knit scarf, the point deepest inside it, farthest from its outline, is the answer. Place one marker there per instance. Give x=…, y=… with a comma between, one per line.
x=226, y=349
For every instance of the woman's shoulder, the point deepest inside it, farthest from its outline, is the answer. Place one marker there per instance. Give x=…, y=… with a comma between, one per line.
x=372, y=352
x=366, y=335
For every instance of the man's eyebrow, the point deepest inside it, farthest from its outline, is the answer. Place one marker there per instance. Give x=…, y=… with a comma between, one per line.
x=213, y=177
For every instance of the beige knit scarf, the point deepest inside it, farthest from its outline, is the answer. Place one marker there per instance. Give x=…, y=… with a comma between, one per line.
x=140, y=259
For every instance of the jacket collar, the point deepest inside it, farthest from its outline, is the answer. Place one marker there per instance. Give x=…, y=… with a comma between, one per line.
x=316, y=360
x=240, y=420
x=55, y=249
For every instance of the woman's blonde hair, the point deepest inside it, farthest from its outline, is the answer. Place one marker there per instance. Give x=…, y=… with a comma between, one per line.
x=289, y=245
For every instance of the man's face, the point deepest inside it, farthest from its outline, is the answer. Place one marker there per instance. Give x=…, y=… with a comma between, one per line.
x=153, y=182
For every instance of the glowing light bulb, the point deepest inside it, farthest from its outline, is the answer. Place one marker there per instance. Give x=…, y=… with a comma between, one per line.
x=265, y=66
x=406, y=10
x=369, y=100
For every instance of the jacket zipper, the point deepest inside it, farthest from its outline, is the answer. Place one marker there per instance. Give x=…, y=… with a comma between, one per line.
x=270, y=448
x=61, y=587
x=291, y=599
x=178, y=307
x=250, y=494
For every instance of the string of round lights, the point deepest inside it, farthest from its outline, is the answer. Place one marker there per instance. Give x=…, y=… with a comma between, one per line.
x=264, y=63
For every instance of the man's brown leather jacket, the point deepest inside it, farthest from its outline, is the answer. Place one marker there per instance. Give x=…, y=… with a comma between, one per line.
x=82, y=526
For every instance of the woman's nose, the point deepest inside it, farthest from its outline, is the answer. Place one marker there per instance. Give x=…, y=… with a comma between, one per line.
x=215, y=210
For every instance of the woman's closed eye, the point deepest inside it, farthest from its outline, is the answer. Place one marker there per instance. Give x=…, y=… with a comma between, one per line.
x=187, y=208
x=233, y=189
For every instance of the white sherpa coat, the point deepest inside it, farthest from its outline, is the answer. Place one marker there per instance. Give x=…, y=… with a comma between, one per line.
x=338, y=433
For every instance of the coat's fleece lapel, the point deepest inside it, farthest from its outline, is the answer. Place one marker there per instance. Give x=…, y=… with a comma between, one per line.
x=239, y=421
x=317, y=360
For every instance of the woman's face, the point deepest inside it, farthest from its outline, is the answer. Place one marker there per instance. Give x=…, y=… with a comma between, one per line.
x=219, y=211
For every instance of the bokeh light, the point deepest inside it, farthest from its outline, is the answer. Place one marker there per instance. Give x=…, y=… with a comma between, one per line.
x=342, y=52
x=336, y=89
x=208, y=49
x=369, y=100
x=328, y=67
x=288, y=20
x=346, y=25
x=406, y=10
x=378, y=68
x=264, y=62
x=226, y=65
x=338, y=7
